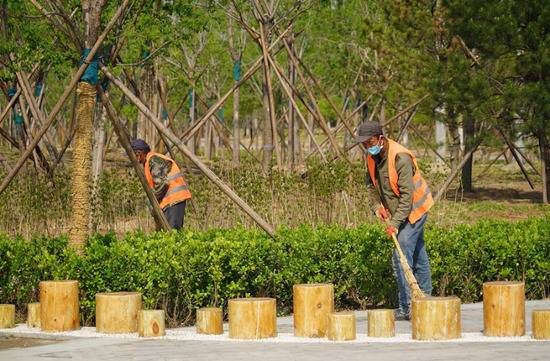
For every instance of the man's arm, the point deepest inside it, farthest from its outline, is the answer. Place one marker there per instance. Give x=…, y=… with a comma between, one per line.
x=374, y=197
x=159, y=171
x=405, y=171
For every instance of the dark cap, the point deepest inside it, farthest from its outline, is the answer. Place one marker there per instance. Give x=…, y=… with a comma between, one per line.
x=367, y=130
x=139, y=144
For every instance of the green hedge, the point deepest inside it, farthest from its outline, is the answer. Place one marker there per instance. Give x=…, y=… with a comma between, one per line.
x=180, y=272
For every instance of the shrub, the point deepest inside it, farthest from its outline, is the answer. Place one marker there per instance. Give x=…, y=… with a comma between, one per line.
x=180, y=272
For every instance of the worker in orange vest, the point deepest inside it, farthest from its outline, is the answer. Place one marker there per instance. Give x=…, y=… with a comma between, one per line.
x=166, y=181
x=404, y=197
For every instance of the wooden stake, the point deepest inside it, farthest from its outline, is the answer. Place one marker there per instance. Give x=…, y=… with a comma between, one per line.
x=33, y=314
x=540, y=324
x=436, y=318
x=173, y=138
x=312, y=304
x=151, y=323
x=381, y=323
x=117, y=312
x=7, y=316
x=210, y=321
x=59, y=306
x=504, y=308
x=341, y=326
x=252, y=318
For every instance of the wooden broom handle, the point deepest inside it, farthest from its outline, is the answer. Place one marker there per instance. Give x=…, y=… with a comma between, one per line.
x=409, y=276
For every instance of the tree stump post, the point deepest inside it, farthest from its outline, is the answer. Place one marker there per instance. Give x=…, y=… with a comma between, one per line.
x=59, y=306
x=151, y=323
x=381, y=323
x=341, y=326
x=436, y=318
x=33, y=314
x=312, y=305
x=503, y=308
x=210, y=321
x=540, y=324
x=117, y=312
x=252, y=318
x=7, y=316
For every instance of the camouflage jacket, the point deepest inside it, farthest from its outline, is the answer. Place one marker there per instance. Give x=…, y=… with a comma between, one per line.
x=159, y=172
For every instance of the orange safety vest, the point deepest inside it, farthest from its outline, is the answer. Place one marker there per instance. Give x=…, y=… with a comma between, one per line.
x=177, y=191
x=422, y=197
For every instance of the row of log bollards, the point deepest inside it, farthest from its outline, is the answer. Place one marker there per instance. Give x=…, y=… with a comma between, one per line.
x=433, y=318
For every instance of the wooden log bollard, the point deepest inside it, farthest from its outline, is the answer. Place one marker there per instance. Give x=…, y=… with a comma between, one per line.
x=117, y=312
x=59, y=306
x=540, y=324
x=210, y=321
x=381, y=323
x=503, y=308
x=33, y=314
x=151, y=323
x=7, y=316
x=312, y=305
x=252, y=318
x=341, y=326
x=436, y=318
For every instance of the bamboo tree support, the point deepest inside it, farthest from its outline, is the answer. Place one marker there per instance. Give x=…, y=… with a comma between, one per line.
x=341, y=326
x=441, y=191
x=124, y=139
x=268, y=88
x=381, y=323
x=210, y=321
x=540, y=324
x=68, y=90
x=516, y=157
x=252, y=318
x=59, y=306
x=117, y=312
x=312, y=303
x=504, y=308
x=33, y=314
x=180, y=145
x=151, y=323
x=7, y=316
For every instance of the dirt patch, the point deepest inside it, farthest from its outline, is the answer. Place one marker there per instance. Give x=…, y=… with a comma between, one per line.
x=23, y=342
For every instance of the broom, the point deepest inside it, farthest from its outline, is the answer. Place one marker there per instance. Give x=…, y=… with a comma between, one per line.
x=416, y=292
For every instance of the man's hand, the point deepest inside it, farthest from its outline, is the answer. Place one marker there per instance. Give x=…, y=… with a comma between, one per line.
x=382, y=213
x=391, y=230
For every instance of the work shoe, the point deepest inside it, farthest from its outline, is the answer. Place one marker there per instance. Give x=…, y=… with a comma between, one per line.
x=401, y=315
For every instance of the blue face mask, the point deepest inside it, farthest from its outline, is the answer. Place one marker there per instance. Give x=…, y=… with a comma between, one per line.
x=374, y=150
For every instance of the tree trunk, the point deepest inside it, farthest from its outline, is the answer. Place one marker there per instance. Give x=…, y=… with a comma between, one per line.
x=236, y=127
x=97, y=161
x=454, y=140
x=80, y=185
x=469, y=130
x=545, y=160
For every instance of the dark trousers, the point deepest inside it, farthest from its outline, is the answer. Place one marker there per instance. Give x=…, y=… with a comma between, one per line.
x=175, y=215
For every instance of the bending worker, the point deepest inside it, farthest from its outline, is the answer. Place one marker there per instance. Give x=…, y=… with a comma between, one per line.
x=166, y=181
x=395, y=180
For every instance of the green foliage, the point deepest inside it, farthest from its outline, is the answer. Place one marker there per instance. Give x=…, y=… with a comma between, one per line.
x=180, y=272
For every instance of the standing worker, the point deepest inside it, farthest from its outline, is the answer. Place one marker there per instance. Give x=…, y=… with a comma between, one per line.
x=166, y=181
x=395, y=180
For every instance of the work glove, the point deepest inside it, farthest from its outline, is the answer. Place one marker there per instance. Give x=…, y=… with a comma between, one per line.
x=382, y=213
x=390, y=230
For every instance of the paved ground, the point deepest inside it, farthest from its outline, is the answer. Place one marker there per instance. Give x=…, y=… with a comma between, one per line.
x=136, y=349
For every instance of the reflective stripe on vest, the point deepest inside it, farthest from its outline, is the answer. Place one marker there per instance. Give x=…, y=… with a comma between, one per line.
x=422, y=197
x=177, y=191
